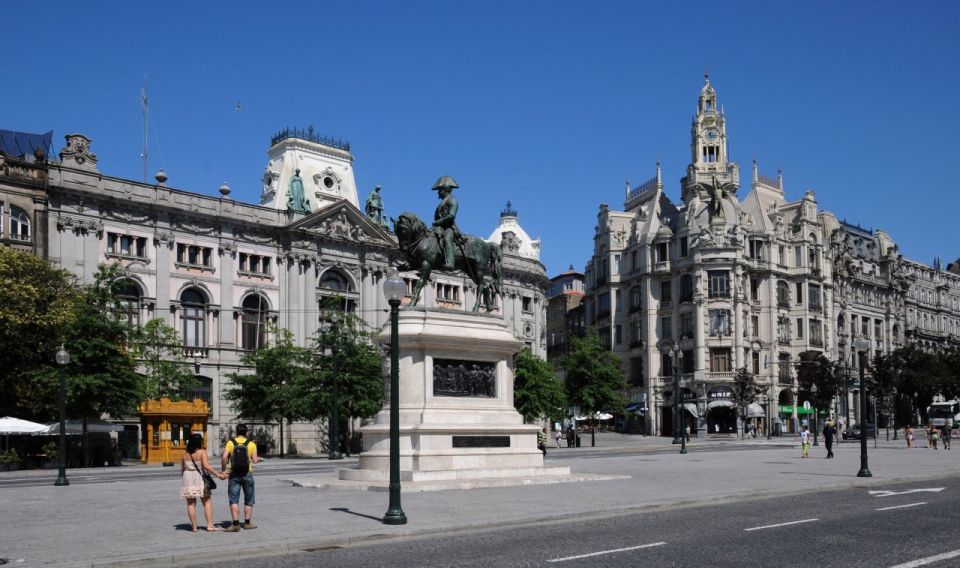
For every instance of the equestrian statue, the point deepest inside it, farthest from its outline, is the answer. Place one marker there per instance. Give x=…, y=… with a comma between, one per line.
x=444, y=247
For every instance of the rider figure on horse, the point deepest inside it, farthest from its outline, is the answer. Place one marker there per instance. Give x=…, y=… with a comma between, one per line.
x=444, y=219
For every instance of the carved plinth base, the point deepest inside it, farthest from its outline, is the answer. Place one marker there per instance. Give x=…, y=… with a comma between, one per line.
x=457, y=419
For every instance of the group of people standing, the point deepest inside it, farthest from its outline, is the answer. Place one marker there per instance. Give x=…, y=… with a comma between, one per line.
x=935, y=436
x=829, y=435
x=239, y=477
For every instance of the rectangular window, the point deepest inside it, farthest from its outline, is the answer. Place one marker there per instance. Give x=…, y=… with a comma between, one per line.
x=666, y=365
x=662, y=252
x=634, y=265
x=755, y=289
x=720, y=361
x=755, y=325
x=686, y=325
x=878, y=329
x=126, y=245
x=636, y=332
x=813, y=297
x=756, y=250
x=618, y=334
x=719, y=322
x=666, y=292
x=194, y=255
x=686, y=288
x=616, y=264
x=783, y=255
x=636, y=371
x=254, y=264
x=527, y=304
x=799, y=293
x=853, y=326
x=666, y=327
x=687, y=365
x=719, y=283
x=636, y=294
x=683, y=247
x=756, y=362
x=783, y=330
x=798, y=256
x=865, y=326
x=816, y=333
x=618, y=304
x=603, y=305
x=799, y=328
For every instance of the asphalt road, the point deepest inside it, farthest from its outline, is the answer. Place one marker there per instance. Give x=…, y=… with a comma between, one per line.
x=900, y=525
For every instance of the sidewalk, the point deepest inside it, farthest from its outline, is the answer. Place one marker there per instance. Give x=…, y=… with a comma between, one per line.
x=137, y=521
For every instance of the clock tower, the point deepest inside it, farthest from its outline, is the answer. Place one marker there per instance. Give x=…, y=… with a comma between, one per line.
x=708, y=145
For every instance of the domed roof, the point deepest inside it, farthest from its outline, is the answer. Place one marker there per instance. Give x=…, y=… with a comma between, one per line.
x=511, y=236
x=664, y=232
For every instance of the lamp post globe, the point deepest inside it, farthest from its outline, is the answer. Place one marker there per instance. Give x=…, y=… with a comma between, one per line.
x=63, y=359
x=862, y=345
x=394, y=289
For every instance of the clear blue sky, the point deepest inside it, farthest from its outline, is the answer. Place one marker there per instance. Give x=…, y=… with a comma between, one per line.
x=549, y=104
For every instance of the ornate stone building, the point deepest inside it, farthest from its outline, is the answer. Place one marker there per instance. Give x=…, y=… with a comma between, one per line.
x=221, y=272
x=743, y=278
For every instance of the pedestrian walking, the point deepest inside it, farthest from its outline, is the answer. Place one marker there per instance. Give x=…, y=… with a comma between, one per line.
x=542, y=440
x=192, y=486
x=805, y=441
x=947, y=434
x=557, y=435
x=239, y=455
x=829, y=433
x=908, y=434
x=934, y=437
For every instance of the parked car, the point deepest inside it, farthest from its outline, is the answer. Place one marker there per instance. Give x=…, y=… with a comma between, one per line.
x=853, y=432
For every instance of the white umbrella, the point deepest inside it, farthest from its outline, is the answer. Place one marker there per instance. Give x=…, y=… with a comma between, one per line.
x=11, y=426
x=603, y=416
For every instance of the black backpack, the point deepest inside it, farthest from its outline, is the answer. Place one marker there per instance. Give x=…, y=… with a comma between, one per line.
x=239, y=461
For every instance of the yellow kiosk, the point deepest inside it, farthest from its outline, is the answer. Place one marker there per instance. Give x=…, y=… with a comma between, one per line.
x=167, y=425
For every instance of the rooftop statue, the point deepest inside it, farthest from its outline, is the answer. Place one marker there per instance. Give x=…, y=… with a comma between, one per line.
x=374, y=208
x=444, y=247
x=295, y=197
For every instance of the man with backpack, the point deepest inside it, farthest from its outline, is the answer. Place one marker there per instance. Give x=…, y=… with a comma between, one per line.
x=239, y=455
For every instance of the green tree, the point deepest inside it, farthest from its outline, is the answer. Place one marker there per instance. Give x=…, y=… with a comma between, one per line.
x=101, y=377
x=594, y=378
x=167, y=374
x=37, y=303
x=536, y=391
x=816, y=369
x=745, y=391
x=273, y=391
x=344, y=351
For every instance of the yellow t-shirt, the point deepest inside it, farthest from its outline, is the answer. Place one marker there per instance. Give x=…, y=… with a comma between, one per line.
x=251, y=450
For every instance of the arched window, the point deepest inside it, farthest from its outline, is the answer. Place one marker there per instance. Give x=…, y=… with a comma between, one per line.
x=128, y=294
x=335, y=292
x=841, y=323
x=193, y=305
x=254, y=322
x=783, y=294
x=19, y=224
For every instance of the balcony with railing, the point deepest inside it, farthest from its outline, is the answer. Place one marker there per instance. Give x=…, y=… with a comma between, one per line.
x=718, y=294
x=720, y=375
x=818, y=307
x=662, y=266
x=195, y=352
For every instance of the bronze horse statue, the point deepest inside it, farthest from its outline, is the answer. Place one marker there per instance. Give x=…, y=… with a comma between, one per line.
x=474, y=256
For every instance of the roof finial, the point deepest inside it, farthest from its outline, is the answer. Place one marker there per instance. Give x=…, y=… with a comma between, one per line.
x=756, y=172
x=706, y=76
x=508, y=211
x=659, y=177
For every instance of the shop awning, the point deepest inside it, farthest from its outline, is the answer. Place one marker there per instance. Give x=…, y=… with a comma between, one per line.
x=691, y=408
x=720, y=402
x=755, y=411
x=635, y=407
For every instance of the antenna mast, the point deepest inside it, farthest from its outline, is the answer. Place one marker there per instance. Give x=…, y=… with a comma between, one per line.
x=143, y=104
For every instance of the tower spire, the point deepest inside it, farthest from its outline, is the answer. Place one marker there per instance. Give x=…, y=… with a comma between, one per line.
x=756, y=173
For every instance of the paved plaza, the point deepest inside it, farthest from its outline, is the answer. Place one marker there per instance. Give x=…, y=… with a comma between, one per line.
x=143, y=522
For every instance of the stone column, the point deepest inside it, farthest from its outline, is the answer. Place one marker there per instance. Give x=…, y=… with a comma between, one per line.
x=228, y=317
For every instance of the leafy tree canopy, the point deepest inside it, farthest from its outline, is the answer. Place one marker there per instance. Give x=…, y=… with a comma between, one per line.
x=167, y=373
x=594, y=379
x=536, y=391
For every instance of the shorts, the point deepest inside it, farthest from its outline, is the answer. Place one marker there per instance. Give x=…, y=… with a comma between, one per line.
x=245, y=483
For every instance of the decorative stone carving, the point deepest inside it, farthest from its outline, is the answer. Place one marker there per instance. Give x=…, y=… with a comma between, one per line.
x=79, y=226
x=510, y=242
x=464, y=378
x=193, y=227
x=124, y=214
x=77, y=154
x=341, y=227
x=254, y=236
x=164, y=238
x=228, y=248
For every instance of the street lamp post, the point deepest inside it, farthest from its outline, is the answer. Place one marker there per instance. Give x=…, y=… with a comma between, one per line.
x=334, y=453
x=394, y=289
x=769, y=425
x=813, y=395
x=63, y=359
x=680, y=434
x=862, y=345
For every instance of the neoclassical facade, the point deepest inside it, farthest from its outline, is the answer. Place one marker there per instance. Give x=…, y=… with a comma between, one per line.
x=223, y=272
x=734, y=277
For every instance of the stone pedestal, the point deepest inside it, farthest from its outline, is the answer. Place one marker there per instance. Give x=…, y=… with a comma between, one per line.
x=457, y=419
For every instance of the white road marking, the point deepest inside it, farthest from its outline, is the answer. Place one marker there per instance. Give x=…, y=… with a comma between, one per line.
x=887, y=493
x=780, y=525
x=903, y=506
x=928, y=560
x=564, y=559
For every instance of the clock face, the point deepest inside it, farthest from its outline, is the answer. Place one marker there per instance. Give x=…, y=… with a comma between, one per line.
x=711, y=135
